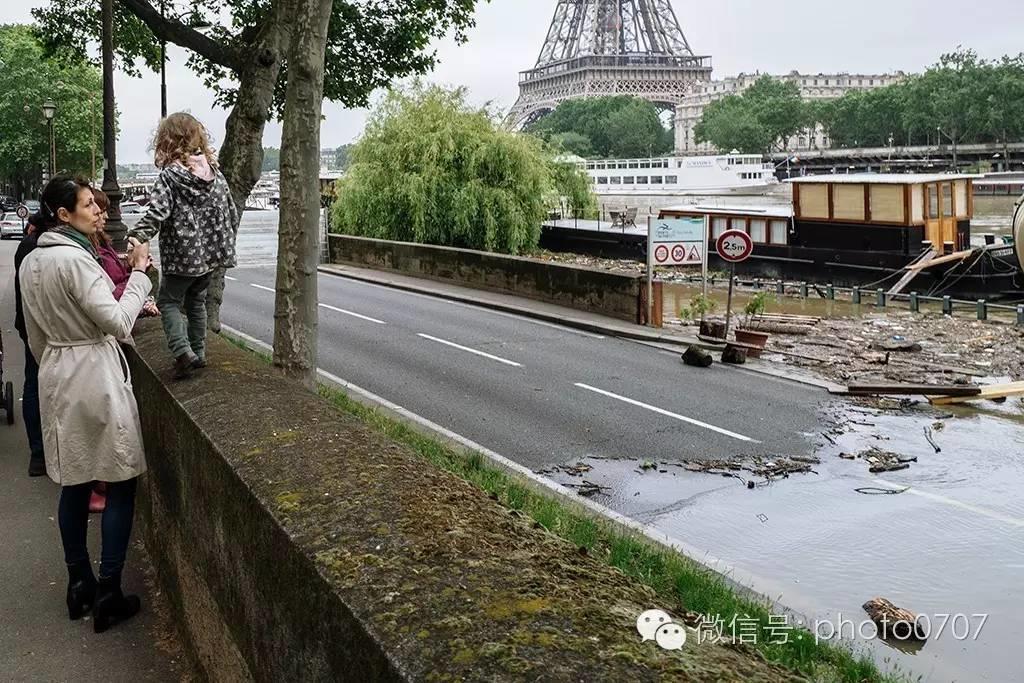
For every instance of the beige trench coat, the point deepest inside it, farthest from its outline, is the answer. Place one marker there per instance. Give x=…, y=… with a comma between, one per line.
x=90, y=419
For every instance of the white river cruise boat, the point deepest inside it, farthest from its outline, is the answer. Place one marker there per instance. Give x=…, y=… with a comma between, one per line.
x=722, y=174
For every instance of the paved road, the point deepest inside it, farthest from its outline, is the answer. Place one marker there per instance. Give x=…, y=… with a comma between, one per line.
x=537, y=393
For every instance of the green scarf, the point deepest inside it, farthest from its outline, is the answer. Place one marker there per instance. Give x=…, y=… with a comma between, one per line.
x=76, y=237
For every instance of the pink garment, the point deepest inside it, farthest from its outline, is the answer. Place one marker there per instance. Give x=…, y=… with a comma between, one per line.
x=200, y=167
x=118, y=270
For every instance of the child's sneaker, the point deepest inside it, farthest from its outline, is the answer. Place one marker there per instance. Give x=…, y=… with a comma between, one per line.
x=183, y=366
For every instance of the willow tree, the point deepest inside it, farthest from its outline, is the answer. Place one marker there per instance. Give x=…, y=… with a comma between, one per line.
x=430, y=168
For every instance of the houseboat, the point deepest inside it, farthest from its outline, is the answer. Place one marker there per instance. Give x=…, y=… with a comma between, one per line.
x=722, y=174
x=898, y=232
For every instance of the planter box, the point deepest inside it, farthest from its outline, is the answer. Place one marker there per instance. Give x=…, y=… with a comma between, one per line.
x=755, y=340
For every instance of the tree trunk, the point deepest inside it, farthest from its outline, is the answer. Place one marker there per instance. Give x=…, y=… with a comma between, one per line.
x=298, y=234
x=241, y=155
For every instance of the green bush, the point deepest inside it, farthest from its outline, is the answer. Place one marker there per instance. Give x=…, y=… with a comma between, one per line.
x=431, y=169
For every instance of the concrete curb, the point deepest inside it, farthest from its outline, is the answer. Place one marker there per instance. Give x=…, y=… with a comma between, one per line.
x=670, y=342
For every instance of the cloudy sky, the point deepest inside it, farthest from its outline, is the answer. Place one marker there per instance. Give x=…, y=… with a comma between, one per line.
x=868, y=36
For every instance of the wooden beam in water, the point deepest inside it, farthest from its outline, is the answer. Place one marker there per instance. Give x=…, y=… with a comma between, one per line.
x=990, y=391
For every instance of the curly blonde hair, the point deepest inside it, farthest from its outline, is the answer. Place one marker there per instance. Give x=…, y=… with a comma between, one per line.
x=178, y=137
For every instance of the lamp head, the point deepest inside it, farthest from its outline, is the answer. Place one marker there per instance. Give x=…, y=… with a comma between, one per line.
x=49, y=109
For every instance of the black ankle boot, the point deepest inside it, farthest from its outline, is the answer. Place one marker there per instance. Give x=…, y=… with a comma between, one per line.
x=112, y=605
x=81, y=590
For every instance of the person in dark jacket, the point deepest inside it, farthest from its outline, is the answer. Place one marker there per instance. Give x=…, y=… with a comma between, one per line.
x=191, y=209
x=30, y=391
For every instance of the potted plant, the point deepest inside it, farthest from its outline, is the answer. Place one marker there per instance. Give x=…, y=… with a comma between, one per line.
x=700, y=306
x=748, y=332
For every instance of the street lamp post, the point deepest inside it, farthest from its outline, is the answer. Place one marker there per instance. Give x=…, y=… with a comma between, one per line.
x=163, y=70
x=115, y=227
x=49, y=110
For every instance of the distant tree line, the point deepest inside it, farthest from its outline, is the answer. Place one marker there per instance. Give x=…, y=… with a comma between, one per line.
x=605, y=127
x=962, y=99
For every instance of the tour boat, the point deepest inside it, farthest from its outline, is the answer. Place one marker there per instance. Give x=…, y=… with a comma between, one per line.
x=722, y=174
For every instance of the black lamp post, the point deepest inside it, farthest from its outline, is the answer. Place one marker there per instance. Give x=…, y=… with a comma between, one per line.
x=49, y=111
x=115, y=227
x=163, y=70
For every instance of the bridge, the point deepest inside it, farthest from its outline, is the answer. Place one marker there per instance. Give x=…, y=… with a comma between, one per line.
x=930, y=158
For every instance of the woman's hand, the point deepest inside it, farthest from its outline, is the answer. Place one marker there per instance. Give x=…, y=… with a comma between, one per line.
x=138, y=257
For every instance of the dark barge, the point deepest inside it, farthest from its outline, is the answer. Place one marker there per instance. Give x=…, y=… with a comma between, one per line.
x=898, y=232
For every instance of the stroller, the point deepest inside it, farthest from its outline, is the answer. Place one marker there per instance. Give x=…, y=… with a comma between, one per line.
x=7, y=395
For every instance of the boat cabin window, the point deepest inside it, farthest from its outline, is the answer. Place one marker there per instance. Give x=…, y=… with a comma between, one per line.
x=645, y=164
x=622, y=164
x=718, y=226
x=599, y=167
x=628, y=180
x=947, y=199
x=759, y=230
x=590, y=167
x=634, y=164
x=779, y=232
x=671, y=179
x=602, y=180
x=641, y=180
x=933, y=200
x=656, y=180
x=615, y=180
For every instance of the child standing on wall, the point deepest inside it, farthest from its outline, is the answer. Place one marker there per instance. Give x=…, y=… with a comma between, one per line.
x=191, y=209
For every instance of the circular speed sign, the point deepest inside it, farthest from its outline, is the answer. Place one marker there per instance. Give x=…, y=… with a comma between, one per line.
x=22, y=211
x=734, y=246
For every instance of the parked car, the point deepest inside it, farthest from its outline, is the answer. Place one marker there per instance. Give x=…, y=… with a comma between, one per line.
x=132, y=207
x=32, y=205
x=7, y=203
x=11, y=226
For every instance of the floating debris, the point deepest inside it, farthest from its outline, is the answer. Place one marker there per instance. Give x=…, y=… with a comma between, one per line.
x=768, y=469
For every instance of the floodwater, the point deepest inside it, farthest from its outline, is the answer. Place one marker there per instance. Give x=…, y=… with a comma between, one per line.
x=257, y=238
x=952, y=544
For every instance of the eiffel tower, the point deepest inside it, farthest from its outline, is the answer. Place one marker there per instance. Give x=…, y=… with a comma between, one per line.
x=610, y=47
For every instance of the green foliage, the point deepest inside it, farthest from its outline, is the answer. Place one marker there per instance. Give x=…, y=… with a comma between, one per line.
x=271, y=159
x=431, y=169
x=572, y=142
x=961, y=98
x=700, y=306
x=615, y=127
x=755, y=308
x=760, y=120
x=370, y=42
x=27, y=79
x=341, y=157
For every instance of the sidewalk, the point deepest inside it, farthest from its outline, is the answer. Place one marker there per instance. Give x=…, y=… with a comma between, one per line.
x=37, y=641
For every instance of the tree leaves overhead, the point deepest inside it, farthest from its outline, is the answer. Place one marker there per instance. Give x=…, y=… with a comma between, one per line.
x=370, y=42
x=615, y=127
x=27, y=79
x=431, y=169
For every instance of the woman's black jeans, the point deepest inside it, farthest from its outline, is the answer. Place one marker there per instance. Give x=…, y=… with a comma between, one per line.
x=73, y=516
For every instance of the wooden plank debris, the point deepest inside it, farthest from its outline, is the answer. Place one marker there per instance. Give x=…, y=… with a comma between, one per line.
x=955, y=256
x=914, y=390
x=989, y=391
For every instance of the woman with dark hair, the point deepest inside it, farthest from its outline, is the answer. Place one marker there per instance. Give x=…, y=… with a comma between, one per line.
x=90, y=420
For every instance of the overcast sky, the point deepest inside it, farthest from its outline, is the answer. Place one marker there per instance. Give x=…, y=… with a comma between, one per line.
x=869, y=36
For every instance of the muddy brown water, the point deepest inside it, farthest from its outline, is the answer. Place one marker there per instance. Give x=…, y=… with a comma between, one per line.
x=953, y=544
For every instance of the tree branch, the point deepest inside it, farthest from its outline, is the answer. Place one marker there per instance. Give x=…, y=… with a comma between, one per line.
x=174, y=31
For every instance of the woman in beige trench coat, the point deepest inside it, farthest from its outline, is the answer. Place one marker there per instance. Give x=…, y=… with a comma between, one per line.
x=90, y=419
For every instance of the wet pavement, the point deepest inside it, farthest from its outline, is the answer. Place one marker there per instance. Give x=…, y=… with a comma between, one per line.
x=950, y=544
